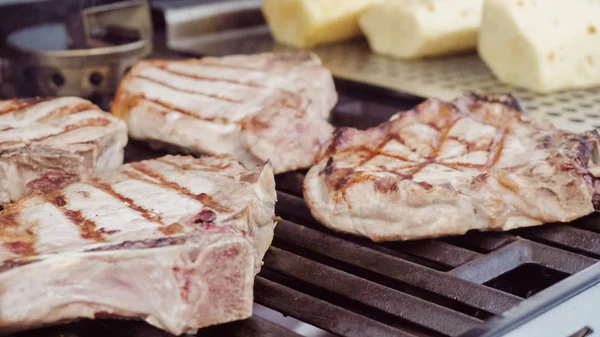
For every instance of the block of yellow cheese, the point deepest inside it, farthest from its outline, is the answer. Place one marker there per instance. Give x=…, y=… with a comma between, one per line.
x=416, y=28
x=307, y=23
x=544, y=45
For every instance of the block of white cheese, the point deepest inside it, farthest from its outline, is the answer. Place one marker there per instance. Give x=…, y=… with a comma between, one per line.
x=307, y=23
x=544, y=45
x=416, y=28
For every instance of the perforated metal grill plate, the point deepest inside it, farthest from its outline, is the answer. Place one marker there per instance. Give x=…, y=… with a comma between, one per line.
x=447, y=78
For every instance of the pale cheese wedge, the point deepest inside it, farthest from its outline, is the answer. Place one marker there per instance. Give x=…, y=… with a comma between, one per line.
x=307, y=23
x=545, y=45
x=416, y=28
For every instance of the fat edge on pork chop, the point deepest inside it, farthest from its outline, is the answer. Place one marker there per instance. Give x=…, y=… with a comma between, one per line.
x=47, y=143
x=269, y=106
x=446, y=168
x=174, y=241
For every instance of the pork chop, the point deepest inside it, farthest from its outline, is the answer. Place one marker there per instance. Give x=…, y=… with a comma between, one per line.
x=255, y=107
x=47, y=143
x=174, y=241
x=443, y=169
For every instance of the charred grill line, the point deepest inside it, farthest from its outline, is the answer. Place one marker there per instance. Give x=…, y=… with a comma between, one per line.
x=202, y=197
x=194, y=92
x=188, y=167
x=87, y=227
x=96, y=121
x=24, y=103
x=106, y=188
x=236, y=66
x=165, y=105
x=211, y=79
x=66, y=111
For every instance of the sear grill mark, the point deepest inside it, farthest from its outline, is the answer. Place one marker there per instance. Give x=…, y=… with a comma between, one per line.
x=21, y=248
x=205, y=62
x=208, y=201
x=87, y=227
x=194, y=92
x=210, y=79
x=11, y=263
x=148, y=215
x=202, y=197
x=24, y=103
x=165, y=105
x=190, y=167
x=92, y=122
x=68, y=110
x=496, y=147
x=171, y=229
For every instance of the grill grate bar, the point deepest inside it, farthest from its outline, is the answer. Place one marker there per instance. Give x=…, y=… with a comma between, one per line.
x=318, y=312
x=566, y=237
x=481, y=242
x=253, y=326
x=430, y=280
x=436, y=251
x=435, y=254
x=407, y=307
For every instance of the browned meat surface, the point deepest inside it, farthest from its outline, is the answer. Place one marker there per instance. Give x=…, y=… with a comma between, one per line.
x=255, y=107
x=48, y=143
x=175, y=241
x=446, y=168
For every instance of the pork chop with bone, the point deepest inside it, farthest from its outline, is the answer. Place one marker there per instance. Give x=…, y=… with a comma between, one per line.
x=446, y=168
x=174, y=241
x=255, y=107
x=47, y=143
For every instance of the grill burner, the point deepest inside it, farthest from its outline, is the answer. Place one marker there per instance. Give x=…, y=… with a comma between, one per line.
x=352, y=287
x=83, y=55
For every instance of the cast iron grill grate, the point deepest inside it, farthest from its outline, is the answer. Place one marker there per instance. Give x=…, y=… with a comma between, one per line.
x=352, y=287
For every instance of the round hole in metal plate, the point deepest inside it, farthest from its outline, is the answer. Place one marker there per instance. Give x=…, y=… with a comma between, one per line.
x=576, y=120
x=96, y=78
x=569, y=109
x=563, y=99
x=593, y=115
x=585, y=105
x=546, y=103
x=58, y=79
x=552, y=113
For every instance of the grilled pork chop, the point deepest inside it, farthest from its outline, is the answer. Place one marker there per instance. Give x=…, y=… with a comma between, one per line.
x=174, y=241
x=443, y=169
x=47, y=143
x=255, y=107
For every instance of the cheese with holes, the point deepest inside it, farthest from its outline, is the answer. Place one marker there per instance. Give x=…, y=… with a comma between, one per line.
x=544, y=46
x=306, y=23
x=417, y=28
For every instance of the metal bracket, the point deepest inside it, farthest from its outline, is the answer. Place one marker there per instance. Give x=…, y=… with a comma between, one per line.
x=118, y=23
